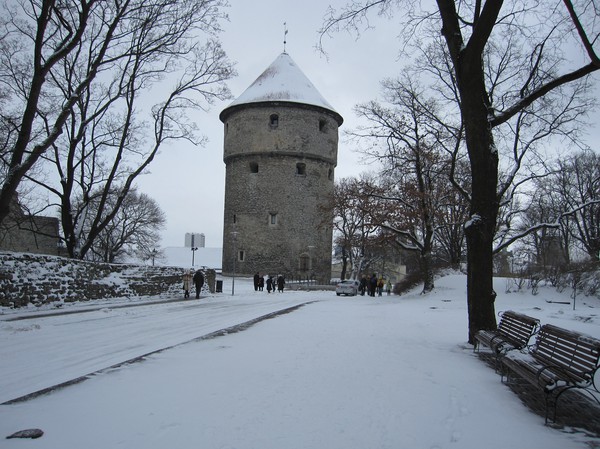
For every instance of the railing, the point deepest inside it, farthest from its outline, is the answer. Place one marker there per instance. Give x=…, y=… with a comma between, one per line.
x=300, y=280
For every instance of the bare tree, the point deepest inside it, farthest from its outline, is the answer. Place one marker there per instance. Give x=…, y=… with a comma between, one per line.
x=83, y=66
x=105, y=144
x=524, y=79
x=36, y=37
x=548, y=246
x=135, y=227
x=353, y=235
x=452, y=211
x=413, y=190
x=577, y=185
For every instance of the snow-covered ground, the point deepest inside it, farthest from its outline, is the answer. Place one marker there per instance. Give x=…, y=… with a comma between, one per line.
x=339, y=372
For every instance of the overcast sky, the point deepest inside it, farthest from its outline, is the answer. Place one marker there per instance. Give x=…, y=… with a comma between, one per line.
x=189, y=182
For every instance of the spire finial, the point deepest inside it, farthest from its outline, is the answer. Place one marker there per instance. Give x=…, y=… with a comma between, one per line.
x=285, y=32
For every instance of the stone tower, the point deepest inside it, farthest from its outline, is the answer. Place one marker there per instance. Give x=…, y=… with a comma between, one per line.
x=280, y=152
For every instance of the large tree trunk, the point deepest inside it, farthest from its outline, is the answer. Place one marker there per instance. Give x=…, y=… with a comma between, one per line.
x=480, y=290
x=344, y=264
x=480, y=229
x=467, y=59
x=427, y=272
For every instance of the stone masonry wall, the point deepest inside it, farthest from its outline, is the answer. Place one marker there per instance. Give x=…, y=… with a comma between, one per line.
x=30, y=278
x=279, y=175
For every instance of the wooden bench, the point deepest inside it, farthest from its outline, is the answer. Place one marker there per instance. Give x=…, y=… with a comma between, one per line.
x=559, y=360
x=514, y=332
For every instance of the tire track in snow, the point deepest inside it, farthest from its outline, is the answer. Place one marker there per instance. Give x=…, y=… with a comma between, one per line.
x=218, y=333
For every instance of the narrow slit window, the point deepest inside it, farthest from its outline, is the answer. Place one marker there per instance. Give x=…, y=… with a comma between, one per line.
x=323, y=125
x=241, y=256
x=272, y=218
x=274, y=120
x=253, y=167
x=300, y=168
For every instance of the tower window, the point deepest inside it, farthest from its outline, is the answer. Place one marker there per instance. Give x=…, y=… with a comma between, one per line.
x=241, y=256
x=272, y=218
x=253, y=167
x=323, y=125
x=300, y=168
x=330, y=174
x=274, y=121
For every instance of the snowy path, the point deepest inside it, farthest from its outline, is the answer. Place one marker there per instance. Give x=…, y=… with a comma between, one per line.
x=38, y=353
x=338, y=373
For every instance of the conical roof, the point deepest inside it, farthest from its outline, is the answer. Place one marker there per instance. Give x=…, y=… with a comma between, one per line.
x=283, y=81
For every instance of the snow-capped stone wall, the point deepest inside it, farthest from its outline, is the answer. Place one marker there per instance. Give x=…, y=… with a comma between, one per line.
x=30, y=278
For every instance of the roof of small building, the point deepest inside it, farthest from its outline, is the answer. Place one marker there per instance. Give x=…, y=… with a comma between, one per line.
x=282, y=81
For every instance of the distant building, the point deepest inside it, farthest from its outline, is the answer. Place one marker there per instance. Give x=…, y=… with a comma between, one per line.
x=280, y=152
x=194, y=239
x=21, y=232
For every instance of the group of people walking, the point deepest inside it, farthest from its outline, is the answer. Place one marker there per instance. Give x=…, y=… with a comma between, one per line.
x=371, y=285
x=196, y=278
x=374, y=285
x=271, y=282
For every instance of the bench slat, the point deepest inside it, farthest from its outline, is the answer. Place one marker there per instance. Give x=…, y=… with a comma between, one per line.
x=567, y=349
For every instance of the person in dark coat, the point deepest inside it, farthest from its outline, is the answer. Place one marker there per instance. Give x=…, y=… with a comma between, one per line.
x=270, y=284
x=363, y=286
x=372, y=285
x=261, y=283
x=199, y=282
x=256, y=281
x=280, y=283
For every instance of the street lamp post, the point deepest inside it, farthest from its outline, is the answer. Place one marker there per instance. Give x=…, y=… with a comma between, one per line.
x=194, y=249
x=310, y=257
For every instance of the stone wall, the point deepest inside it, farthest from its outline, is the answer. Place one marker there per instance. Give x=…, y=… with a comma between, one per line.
x=29, y=278
x=30, y=234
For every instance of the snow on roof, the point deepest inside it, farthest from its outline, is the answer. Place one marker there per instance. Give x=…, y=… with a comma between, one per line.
x=283, y=81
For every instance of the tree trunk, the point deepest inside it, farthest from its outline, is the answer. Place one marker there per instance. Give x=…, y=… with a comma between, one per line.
x=480, y=290
x=344, y=264
x=467, y=61
x=480, y=229
x=427, y=272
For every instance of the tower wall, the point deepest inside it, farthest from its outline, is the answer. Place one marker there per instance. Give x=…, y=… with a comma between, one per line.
x=299, y=130
x=280, y=161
